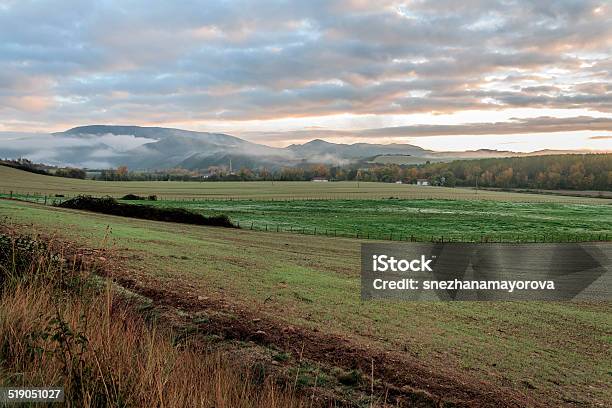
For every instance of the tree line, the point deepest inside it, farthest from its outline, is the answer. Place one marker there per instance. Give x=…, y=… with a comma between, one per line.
x=38, y=168
x=569, y=171
x=554, y=172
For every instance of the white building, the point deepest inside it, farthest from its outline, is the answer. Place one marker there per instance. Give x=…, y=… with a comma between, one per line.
x=422, y=182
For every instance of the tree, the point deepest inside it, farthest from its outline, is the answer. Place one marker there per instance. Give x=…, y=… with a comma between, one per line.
x=504, y=179
x=320, y=170
x=449, y=179
x=576, y=176
x=122, y=172
x=71, y=172
x=245, y=174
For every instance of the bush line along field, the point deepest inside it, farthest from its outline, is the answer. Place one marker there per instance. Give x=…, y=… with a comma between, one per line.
x=108, y=205
x=21, y=182
x=512, y=353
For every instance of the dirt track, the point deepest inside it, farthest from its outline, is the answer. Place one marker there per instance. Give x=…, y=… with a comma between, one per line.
x=405, y=382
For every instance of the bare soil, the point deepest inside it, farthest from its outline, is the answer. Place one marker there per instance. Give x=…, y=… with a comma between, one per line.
x=402, y=381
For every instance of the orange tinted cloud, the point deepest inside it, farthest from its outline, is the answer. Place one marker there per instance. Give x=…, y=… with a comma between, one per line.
x=30, y=103
x=153, y=61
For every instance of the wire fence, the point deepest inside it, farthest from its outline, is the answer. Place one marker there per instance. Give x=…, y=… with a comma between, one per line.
x=363, y=234
x=531, y=198
x=403, y=237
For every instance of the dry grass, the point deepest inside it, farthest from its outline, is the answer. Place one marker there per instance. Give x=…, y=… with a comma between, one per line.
x=66, y=333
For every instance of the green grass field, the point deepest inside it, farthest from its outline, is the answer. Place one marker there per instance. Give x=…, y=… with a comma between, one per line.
x=555, y=353
x=22, y=182
x=419, y=220
x=263, y=206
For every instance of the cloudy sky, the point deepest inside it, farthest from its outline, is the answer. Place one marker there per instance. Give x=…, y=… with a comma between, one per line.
x=446, y=74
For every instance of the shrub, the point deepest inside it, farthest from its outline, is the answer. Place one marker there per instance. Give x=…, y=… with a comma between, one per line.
x=70, y=172
x=108, y=205
x=132, y=197
x=20, y=258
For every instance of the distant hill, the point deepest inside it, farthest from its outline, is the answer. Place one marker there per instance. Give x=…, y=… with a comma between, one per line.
x=491, y=153
x=436, y=157
x=142, y=148
x=401, y=159
x=320, y=147
x=167, y=147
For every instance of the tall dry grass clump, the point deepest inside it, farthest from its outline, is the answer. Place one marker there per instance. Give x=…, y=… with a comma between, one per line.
x=57, y=328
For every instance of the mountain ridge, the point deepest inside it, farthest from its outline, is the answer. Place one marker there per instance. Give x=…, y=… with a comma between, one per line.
x=151, y=147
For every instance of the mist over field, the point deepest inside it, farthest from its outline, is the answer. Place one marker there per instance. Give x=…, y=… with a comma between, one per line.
x=92, y=151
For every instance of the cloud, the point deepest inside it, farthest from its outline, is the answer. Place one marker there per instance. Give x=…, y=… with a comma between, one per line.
x=155, y=62
x=513, y=127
